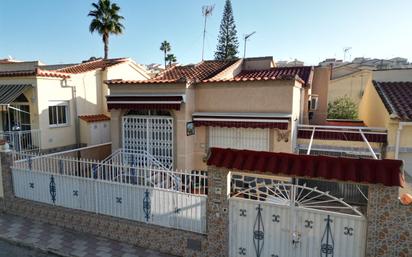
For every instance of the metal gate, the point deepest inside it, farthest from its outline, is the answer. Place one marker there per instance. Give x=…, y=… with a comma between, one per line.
x=286, y=220
x=152, y=135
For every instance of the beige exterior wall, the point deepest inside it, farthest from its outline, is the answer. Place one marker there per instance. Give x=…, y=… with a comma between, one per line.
x=393, y=75
x=320, y=87
x=352, y=85
x=265, y=96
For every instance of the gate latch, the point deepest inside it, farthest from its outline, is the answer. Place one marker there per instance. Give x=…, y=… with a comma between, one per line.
x=295, y=238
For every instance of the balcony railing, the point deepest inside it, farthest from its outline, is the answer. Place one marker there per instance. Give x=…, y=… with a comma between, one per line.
x=22, y=141
x=355, y=141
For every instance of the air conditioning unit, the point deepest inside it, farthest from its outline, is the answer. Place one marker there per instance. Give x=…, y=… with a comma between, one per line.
x=313, y=102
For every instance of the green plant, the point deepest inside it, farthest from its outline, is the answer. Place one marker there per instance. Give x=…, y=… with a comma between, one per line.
x=342, y=108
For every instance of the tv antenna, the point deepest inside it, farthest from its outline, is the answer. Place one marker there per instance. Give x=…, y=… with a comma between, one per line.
x=346, y=51
x=206, y=12
x=247, y=36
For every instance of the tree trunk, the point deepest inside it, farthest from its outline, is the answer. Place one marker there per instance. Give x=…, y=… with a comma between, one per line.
x=165, y=59
x=106, y=45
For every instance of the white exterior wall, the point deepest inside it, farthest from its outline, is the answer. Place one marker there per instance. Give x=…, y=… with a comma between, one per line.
x=50, y=89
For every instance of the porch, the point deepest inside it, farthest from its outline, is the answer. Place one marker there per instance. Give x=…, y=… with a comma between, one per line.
x=18, y=125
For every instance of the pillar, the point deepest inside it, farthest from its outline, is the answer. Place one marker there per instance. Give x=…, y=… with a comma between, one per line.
x=218, y=213
x=389, y=224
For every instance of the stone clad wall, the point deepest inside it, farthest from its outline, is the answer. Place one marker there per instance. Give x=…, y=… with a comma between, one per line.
x=389, y=224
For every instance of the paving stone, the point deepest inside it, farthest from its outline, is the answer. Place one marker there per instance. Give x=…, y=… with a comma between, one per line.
x=65, y=241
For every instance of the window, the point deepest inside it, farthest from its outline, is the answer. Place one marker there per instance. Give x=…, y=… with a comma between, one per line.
x=58, y=114
x=239, y=138
x=313, y=103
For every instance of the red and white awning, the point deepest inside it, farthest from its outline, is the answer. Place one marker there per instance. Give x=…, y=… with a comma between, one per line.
x=242, y=120
x=146, y=102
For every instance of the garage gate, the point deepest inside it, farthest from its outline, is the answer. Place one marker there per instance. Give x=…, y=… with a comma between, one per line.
x=279, y=219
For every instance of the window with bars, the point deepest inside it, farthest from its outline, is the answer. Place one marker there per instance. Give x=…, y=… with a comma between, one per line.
x=58, y=114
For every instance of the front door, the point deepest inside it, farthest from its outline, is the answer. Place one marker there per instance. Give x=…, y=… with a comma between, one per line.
x=152, y=135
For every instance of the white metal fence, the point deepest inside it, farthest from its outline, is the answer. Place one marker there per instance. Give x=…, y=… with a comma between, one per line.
x=22, y=141
x=167, y=198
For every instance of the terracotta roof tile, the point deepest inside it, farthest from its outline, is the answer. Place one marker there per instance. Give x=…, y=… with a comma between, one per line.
x=35, y=72
x=386, y=172
x=195, y=73
x=397, y=98
x=92, y=65
x=94, y=118
x=302, y=73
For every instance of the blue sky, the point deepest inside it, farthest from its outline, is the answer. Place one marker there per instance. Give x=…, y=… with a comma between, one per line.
x=56, y=31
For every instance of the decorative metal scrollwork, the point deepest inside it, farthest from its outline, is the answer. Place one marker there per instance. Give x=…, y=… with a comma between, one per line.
x=348, y=231
x=258, y=232
x=31, y=185
x=327, y=243
x=52, y=189
x=242, y=251
x=75, y=192
x=308, y=224
x=276, y=218
x=118, y=200
x=147, y=205
x=242, y=213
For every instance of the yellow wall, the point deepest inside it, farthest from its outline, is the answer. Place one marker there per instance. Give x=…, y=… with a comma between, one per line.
x=352, y=85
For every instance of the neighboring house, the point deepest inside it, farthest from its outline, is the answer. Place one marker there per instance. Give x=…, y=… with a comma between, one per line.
x=389, y=104
x=243, y=104
x=40, y=104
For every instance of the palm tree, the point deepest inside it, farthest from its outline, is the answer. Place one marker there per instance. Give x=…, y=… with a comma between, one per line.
x=171, y=58
x=106, y=20
x=165, y=47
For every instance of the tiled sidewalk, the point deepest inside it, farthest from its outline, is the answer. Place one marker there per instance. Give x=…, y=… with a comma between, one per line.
x=65, y=242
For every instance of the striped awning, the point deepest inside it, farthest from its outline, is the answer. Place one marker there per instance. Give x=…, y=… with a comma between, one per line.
x=145, y=102
x=242, y=120
x=9, y=93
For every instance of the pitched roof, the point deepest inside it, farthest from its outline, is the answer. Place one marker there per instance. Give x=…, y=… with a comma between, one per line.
x=302, y=73
x=94, y=118
x=387, y=172
x=35, y=72
x=92, y=65
x=195, y=73
x=397, y=98
x=198, y=72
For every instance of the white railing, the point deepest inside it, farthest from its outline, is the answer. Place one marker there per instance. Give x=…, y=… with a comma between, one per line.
x=163, y=197
x=23, y=141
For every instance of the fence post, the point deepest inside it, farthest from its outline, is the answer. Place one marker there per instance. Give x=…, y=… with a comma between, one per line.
x=6, y=187
x=218, y=212
x=389, y=226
